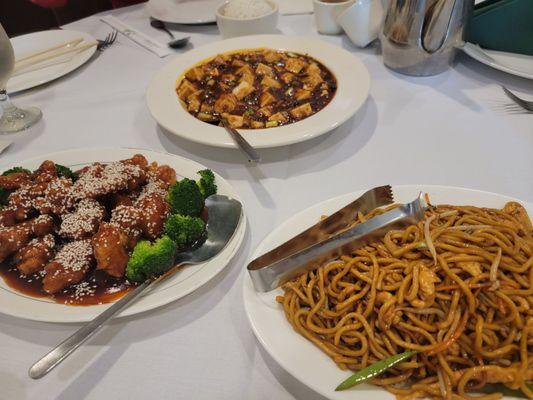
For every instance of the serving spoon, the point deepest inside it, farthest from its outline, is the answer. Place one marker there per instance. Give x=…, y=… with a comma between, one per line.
x=223, y=218
x=174, y=43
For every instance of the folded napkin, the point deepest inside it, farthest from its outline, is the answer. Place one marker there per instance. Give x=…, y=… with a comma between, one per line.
x=503, y=25
x=137, y=36
x=293, y=7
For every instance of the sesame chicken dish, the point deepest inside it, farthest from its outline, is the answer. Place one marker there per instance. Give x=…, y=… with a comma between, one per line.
x=256, y=89
x=87, y=237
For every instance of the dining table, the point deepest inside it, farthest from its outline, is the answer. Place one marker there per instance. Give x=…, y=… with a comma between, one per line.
x=450, y=129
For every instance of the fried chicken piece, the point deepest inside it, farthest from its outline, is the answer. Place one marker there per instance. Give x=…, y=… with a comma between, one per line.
x=128, y=219
x=69, y=266
x=110, y=246
x=58, y=197
x=35, y=255
x=14, y=181
x=162, y=173
x=21, y=203
x=115, y=177
x=45, y=173
x=138, y=160
x=14, y=238
x=83, y=222
x=154, y=210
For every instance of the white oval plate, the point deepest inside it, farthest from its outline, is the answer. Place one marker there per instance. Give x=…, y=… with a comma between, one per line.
x=36, y=41
x=184, y=282
x=353, y=85
x=512, y=63
x=189, y=12
x=292, y=351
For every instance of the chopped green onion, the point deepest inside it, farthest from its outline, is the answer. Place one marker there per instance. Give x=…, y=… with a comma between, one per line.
x=374, y=370
x=422, y=245
x=271, y=124
x=248, y=113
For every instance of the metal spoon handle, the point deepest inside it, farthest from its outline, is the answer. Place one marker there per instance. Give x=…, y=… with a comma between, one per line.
x=65, y=348
x=253, y=155
x=168, y=31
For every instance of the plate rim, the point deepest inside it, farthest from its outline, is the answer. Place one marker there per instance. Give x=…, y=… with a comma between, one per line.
x=170, y=114
x=207, y=20
x=495, y=64
x=71, y=66
x=247, y=286
x=233, y=246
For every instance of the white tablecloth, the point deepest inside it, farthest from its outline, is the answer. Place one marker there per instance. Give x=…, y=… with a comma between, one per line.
x=449, y=129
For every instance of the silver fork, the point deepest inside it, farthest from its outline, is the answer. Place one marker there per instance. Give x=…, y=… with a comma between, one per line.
x=108, y=41
x=523, y=104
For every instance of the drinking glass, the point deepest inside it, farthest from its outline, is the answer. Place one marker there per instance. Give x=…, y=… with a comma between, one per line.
x=13, y=119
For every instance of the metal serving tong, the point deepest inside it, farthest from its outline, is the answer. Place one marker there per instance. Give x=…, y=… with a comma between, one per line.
x=323, y=242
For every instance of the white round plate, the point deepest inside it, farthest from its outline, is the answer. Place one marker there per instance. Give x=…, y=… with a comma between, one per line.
x=512, y=63
x=184, y=11
x=184, y=282
x=353, y=85
x=292, y=351
x=33, y=42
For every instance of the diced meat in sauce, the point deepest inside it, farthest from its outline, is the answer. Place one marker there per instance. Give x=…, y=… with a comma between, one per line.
x=255, y=89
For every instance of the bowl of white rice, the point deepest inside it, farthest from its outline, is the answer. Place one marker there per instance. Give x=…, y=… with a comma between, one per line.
x=247, y=17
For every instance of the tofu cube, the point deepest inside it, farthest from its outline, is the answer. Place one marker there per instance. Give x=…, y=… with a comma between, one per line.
x=235, y=121
x=302, y=111
x=287, y=77
x=242, y=90
x=270, y=82
x=311, y=81
x=295, y=65
x=280, y=117
x=266, y=98
x=195, y=74
x=185, y=89
x=226, y=103
x=263, y=69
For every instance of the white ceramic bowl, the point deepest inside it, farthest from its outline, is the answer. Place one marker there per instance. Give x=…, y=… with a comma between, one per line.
x=231, y=27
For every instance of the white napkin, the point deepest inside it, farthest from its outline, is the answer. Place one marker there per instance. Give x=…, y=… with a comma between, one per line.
x=162, y=50
x=4, y=144
x=293, y=7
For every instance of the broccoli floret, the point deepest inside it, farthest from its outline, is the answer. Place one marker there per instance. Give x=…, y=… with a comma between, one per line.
x=15, y=170
x=185, y=198
x=184, y=230
x=4, y=195
x=66, y=172
x=150, y=259
x=207, y=183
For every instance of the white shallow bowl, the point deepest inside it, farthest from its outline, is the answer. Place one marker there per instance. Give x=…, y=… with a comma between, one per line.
x=292, y=351
x=232, y=27
x=353, y=85
x=184, y=282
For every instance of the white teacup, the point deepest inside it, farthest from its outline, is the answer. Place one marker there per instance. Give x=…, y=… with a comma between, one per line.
x=326, y=13
x=362, y=21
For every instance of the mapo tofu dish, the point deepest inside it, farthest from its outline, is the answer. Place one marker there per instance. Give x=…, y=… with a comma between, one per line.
x=87, y=237
x=255, y=89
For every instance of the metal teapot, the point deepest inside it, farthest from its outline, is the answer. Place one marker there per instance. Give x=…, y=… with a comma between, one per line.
x=420, y=37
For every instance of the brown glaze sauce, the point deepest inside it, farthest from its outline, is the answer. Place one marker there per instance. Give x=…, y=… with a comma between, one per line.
x=101, y=287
